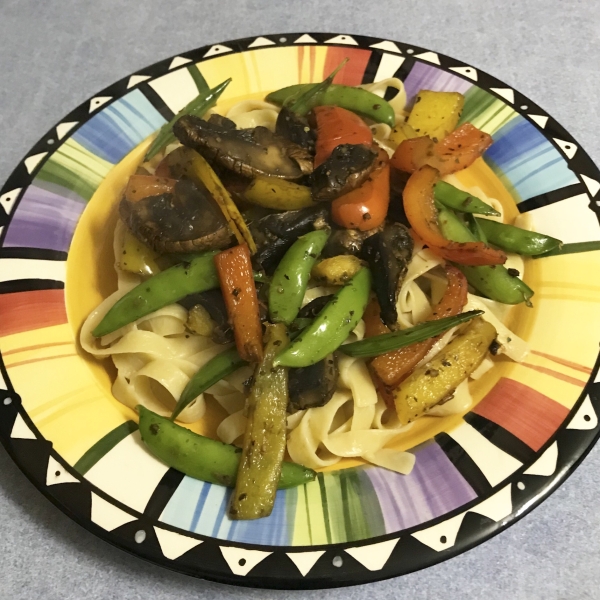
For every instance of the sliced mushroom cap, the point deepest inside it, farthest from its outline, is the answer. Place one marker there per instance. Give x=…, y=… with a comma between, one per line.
x=312, y=386
x=347, y=167
x=186, y=220
x=296, y=129
x=249, y=152
x=347, y=241
x=388, y=254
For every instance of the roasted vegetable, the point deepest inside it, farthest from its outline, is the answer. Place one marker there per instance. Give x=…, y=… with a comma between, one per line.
x=436, y=381
x=456, y=199
x=388, y=254
x=202, y=458
x=296, y=129
x=347, y=241
x=135, y=257
x=401, y=132
x=265, y=435
x=199, y=321
x=312, y=386
x=436, y=114
x=278, y=194
x=214, y=304
x=337, y=270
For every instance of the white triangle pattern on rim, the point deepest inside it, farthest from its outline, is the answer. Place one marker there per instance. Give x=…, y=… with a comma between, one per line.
x=342, y=39
x=3, y=385
x=261, y=41
x=8, y=200
x=173, y=544
x=541, y=120
x=373, y=556
x=241, y=560
x=545, y=465
x=585, y=418
x=216, y=50
x=137, y=79
x=469, y=72
x=496, y=507
x=506, y=93
x=305, y=561
x=31, y=162
x=56, y=473
x=569, y=148
x=107, y=515
x=386, y=45
x=179, y=61
x=431, y=57
x=305, y=39
x=388, y=65
x=97, y=102
x=441, y=536
x=592, y=185
x=21, y=430
x=64, y=128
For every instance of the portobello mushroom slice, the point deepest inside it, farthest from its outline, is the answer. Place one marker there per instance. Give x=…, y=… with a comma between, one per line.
x=388, y=254
x=249, y=152
x=347, y=167
x=347, y=241
x=187, y=220
x=312, y=386
x=296, y=129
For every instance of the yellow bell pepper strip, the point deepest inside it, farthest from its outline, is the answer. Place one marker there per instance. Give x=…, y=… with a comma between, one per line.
x=265, y=435
x=135, y=257
x=436, y=114
x=278, y=194
x=234, y=268
x=419, y=206
x=435, y=381
x=201, y=457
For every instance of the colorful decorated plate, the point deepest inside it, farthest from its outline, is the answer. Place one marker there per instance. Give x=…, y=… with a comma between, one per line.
x=475, y=473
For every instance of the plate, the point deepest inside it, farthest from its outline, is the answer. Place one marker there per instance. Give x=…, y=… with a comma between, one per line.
x=475, y=474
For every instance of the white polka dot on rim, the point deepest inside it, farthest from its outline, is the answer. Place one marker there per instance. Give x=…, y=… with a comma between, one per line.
x=521, y=485
x=140, y=536
x=337, y=561
x=282, y=39
x=7, y=401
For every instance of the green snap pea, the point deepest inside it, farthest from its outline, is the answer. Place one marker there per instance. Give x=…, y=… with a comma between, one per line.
x=456, y=199
x=292, y=274
x=495, y=281
x=380, y=344
x=197, y=107
x=331, y=326
x=574, y=248
x=475, y=228
x=515, y=239
x=358, y=100
x=162, y=289
x=201, y=457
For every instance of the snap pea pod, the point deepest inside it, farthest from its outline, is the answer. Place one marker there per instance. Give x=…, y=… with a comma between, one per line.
x=331, y=326
x=292, y=274
x=475, y=228
x=362, y=102
x=515, y=239
x=197, y=107
x=265, y=435
x=307, y=98
x=494, y=282
x=380, y=344
x=574, y=248
x=452, y=197
x=162, y=289
x=201, y=457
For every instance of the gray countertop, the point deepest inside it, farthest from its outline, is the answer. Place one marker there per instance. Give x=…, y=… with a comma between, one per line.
x=54, y=55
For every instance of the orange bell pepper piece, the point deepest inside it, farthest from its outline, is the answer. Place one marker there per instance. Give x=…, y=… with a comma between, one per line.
x=144, y=186
x=234, y=269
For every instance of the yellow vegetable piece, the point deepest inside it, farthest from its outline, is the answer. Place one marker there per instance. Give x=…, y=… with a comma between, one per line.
x=436, y=380
x=401, y=132
x=337, y=270
x=278, y=194
x=187, y=162
x=135, y=256
x=436, y=114
x=199, y=321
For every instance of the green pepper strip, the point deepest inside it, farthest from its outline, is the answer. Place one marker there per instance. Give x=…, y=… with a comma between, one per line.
x=515, y=239
x=331, y=326
x=380, y=344
x=292, y=274
x=360, y=101
x=494, y=282
x=201, y=457
x=307, y=98
x=162, y=289
x=452, y=197
x=197, y=107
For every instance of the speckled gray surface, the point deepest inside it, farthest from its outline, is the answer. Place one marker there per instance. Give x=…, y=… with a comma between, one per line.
x=54, y=55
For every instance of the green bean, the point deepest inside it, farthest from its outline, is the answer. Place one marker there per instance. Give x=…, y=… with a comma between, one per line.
x=331, y=326
x=358, y=100
x=380, y=344
x=495, y=281
x=292, y=274
x=452, y=197
x=197, y=107
x=265, y=435
x=203, y=458
x=515, y=239
x=162, y=289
